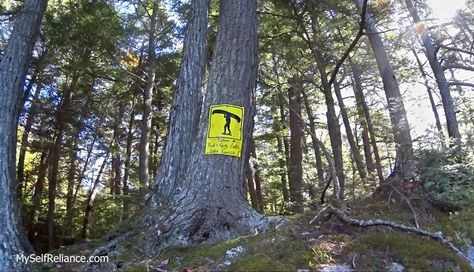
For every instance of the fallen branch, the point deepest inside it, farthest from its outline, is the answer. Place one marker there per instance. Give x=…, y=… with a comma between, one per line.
x=328, y=211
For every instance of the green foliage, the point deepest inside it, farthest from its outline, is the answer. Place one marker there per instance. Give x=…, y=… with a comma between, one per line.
x=447, y=176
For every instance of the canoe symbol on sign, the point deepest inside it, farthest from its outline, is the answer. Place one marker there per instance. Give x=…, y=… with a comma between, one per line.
x=227, y=116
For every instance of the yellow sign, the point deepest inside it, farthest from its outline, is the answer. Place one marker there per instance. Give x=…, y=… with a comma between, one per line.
x=224, y=135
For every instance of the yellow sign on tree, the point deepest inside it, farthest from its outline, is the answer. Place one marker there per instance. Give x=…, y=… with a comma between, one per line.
x=224, y=135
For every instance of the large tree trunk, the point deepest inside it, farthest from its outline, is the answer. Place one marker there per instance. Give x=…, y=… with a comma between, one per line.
x=211, y=206
x=430, y=52
x=13, y=69
x=186, y=107
x=296, y=148
x=404, y=166
x=144, y=147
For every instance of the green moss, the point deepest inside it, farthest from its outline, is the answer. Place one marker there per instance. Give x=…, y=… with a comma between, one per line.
x=413, y=252
x=275, y=252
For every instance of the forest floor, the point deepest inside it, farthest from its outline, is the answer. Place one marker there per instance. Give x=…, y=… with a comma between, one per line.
x=328, y=245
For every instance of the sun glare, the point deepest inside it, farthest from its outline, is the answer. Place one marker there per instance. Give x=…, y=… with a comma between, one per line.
x=445, y=9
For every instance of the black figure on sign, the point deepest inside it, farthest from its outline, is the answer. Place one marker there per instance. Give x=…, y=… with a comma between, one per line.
x=227, y=116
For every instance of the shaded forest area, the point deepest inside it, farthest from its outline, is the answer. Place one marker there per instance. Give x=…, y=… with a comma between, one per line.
x=354, y=147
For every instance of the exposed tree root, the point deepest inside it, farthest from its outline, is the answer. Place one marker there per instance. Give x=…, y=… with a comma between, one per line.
x=329, y=211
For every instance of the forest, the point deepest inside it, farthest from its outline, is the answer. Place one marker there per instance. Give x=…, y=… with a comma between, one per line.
x=237, y=135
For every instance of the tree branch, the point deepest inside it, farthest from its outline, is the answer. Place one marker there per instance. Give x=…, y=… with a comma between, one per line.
x=458, y=66
x=459, y=83
x=328, y=211
x=360, y=33
x=456, y=49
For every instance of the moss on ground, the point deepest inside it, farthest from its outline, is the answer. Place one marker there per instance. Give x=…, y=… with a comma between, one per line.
x=414, y=252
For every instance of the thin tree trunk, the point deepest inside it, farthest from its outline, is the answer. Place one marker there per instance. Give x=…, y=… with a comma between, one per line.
x=360, y=98
x=37, y=193
x=431, y=98
x=127, y=163
x=314, y=141
x=144, y=147
x=430, y=52
x=257, y=177
x=62, y=114
x=91, y=196
x=362, y=121
x=296, y=149
x=71, y=181
x=13, y=69
x=400, y=128
x=350, y=136
x=250, y=174
x=24, y=142
x=186, y=106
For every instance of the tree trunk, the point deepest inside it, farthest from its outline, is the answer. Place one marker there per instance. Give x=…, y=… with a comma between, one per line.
x=211, y=206
x=431, y=98
x=362, y=119
x=430, y=52
x=127, y=163
x=91, y=197
x=250, y=176
x=360, y=98
x=20, y=173
x=186, y=107
x=400, y=128
x=257, y=179
x=62, y=114
x=71, y=181
x=144, y=147
x=296, y=149
x=350, y=135
x=314, y=140
x=37, y=193
x=13, y=69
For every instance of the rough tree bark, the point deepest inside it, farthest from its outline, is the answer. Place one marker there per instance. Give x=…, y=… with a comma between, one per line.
x=13, y=69
x=210, y=206
x=144, y=147
x=295, y=180
x=186, y=107
x=404, y=166
x=430, y=52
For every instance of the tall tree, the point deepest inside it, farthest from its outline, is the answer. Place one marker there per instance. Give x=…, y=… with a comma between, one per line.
x=210, y=205
x=404, y=166
x=185, y=109
x=443, y=86
x=13, y=68
x=296, y=148
x=147, y=100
